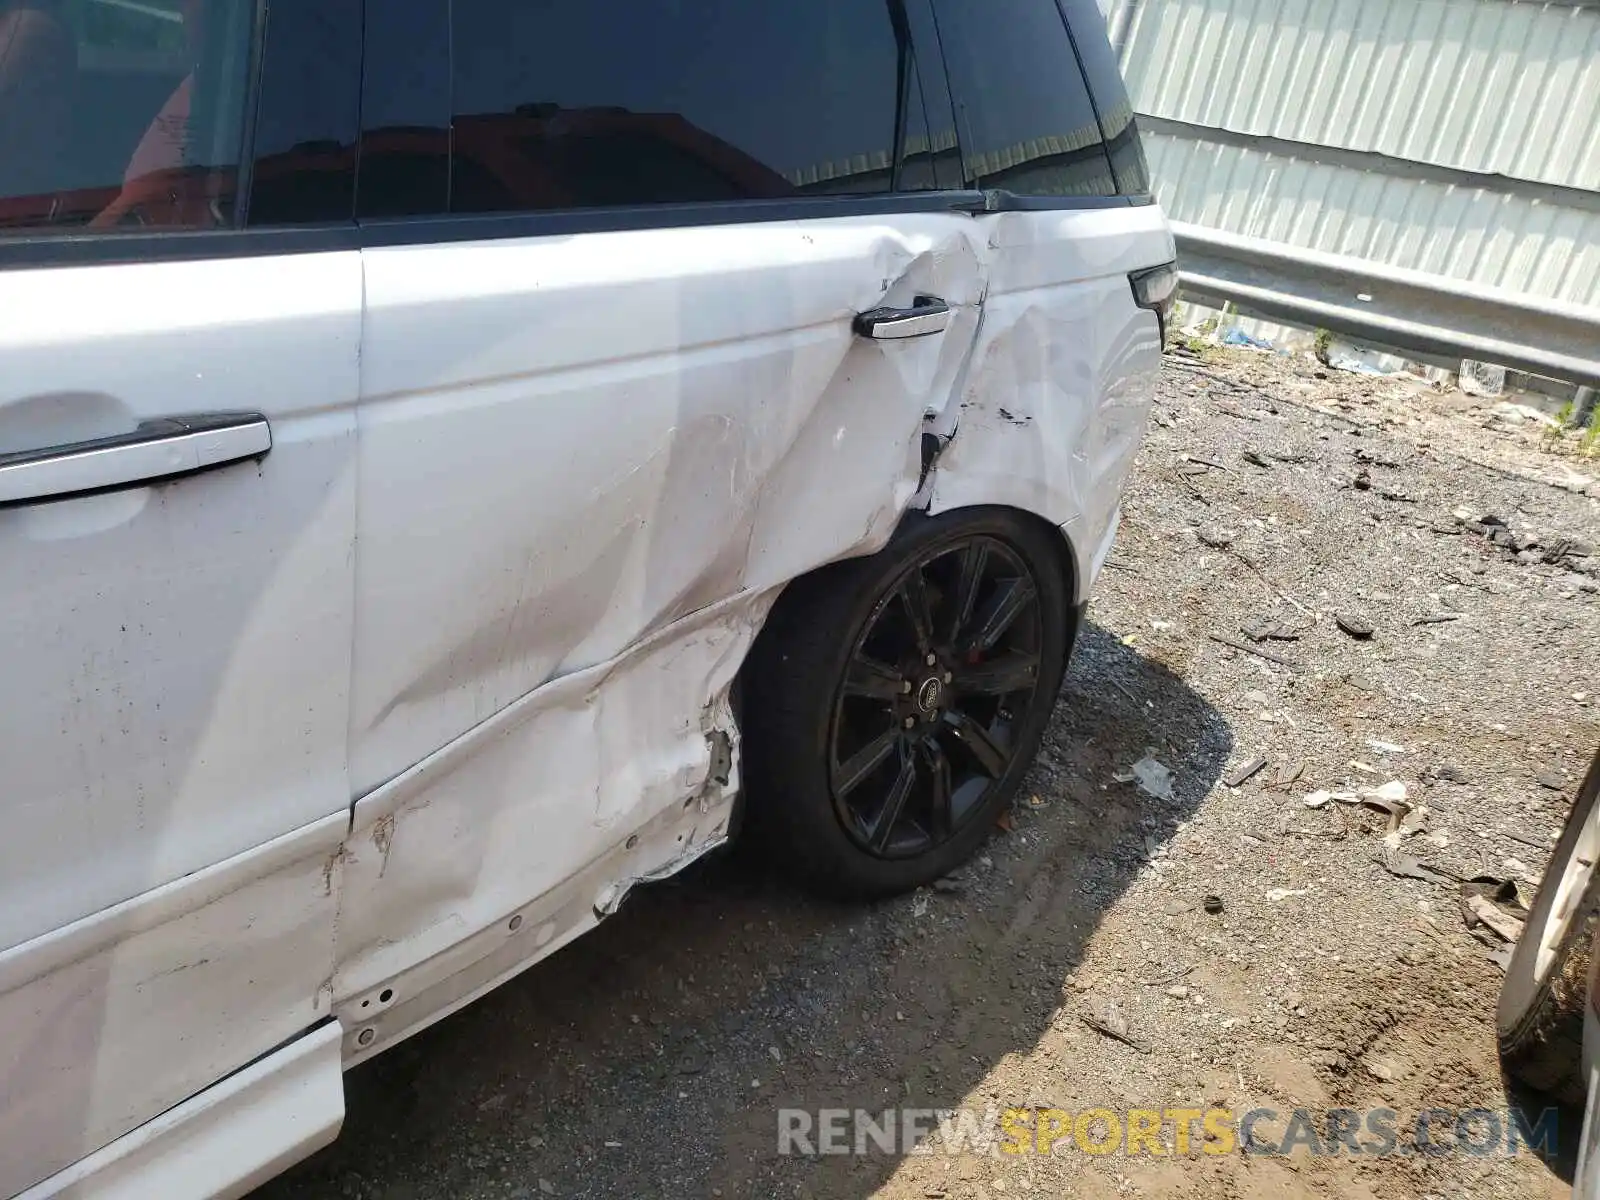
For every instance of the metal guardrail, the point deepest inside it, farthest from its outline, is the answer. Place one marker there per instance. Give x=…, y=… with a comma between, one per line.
x=1429, y=318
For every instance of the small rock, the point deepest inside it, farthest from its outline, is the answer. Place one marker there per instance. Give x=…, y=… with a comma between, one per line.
x=548, y=1188
x=1261, y=629
x=1212, y=904
x=1217, y=539
x=1242, y=774
x=1552, y=779
x=1178, y=992
x=1386, y=1068
x=1354, y=624
x=1450, y=774
x=949, y=885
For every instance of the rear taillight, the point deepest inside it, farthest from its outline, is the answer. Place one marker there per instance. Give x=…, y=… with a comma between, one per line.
x=1157, y=290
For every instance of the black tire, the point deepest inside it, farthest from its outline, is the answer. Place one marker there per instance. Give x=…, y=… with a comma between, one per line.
x=1540, y=1015
x=795, y=696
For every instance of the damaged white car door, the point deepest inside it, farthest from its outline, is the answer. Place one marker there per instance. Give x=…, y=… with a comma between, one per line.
x=177, y=528
x=594, y=441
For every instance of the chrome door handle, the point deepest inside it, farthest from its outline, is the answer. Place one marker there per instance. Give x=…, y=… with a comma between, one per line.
x=157, y=449
x=927, y=314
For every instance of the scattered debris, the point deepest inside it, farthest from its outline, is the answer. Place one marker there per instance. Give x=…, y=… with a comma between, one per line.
x=1406, y=866
x=1217, y=539
x=1386, y=1067
x=950, y=885
x=1202, y=461
x=1154, y=779
x=919, y=904
x=1110, y=1022
x=1274, y=895
x=1363, y=455
x=1480, y=910
x=1446, y=773
x=1289, y=772
x=1255, y=459
x=1244, y=772
x=1501, y=891
x=1168, y=977
x=1261, y=629
x=1437, y=619
x=1526, y=841
x=1414, y=822
x=1318, y=799
x=1257, y=651
x=1355, y=625
x=1383, y=747
x=1388, y=798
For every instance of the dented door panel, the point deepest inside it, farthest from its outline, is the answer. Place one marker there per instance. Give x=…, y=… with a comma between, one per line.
x=1055, y=401
x=569, y=442
x=586, y=465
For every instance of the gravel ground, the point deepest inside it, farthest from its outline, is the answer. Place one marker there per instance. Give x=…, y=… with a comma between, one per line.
x=651, y=1057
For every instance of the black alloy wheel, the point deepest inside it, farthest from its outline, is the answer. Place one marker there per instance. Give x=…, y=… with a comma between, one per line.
x=893, y=703
x=925, y=720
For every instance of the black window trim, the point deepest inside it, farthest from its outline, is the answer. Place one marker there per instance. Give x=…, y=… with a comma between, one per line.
x=252, y=113
x=189, y=245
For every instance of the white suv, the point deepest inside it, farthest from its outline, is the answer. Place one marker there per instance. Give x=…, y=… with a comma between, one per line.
x=457, y=457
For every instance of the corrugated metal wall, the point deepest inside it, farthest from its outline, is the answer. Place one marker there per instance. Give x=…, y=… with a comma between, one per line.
x=1460, y=137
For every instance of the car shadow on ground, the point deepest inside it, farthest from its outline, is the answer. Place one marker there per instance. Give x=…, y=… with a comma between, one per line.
x=653, y=1056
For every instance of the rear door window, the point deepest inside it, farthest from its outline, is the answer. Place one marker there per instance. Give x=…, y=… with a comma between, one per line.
x=121, y=114
x=1117, y=121
x=562, y=104
x=1026, y=120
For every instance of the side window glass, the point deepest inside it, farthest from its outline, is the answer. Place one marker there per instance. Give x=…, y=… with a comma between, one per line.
x=405, y=112
x=564, y=104
x=307, y=114
x=121, y=115
x=1027, y=124
x=1110, y=95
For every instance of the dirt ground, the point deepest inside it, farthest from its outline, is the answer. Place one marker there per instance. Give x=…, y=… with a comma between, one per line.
x=652, y=1057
